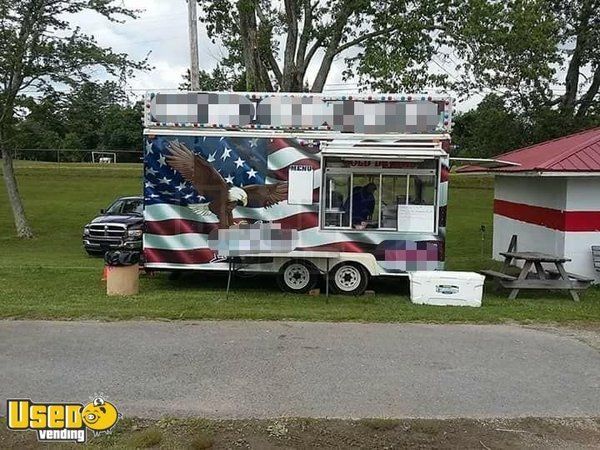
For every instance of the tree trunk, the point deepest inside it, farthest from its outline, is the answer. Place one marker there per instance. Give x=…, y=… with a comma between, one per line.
x=588, y=98
x=582, y=28
x=256, y=73
x=331, y=50
x=567, y=104
x=23, y=228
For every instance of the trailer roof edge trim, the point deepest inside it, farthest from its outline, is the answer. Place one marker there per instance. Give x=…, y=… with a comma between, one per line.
x=300, y=134
x=386, y=150
x=360, y=114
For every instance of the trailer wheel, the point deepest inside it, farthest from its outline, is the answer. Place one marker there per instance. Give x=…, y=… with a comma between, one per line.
x=349, y=279
x=297, y=276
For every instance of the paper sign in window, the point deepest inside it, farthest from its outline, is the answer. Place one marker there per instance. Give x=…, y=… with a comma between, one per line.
x=300, y=185
x=416, y=218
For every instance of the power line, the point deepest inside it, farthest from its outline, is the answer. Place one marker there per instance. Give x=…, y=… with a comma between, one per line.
x=444, y=69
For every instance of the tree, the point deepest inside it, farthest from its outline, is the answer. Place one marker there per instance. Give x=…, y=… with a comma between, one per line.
x=38, y=51
x=219, y=79
x=535, y=47
x=92, y=116
x=123, y=130
x=490, y=129
x=388, y=45
x=251, y=31
x=41, y=123
x=580, y=48
x=495, y=127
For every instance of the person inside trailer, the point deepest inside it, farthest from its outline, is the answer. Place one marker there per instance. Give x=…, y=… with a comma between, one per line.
x=363, y=204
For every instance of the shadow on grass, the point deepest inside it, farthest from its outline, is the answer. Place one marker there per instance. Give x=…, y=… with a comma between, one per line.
x=263, y=283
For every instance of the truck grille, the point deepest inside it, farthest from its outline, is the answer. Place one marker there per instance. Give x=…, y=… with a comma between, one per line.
x=107, y=232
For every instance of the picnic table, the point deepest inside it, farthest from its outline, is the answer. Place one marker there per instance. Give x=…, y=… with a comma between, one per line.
x=542, y=278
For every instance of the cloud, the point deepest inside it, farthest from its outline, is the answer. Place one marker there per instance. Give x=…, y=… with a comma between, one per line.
x=160, y=32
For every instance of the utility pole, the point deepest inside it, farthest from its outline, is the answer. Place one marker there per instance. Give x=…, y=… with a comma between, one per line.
x=194, y=64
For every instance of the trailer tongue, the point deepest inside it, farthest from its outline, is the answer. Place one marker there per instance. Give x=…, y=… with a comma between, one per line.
x=361, y=180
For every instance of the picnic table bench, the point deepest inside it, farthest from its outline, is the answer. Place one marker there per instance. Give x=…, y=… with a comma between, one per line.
x=542, y=278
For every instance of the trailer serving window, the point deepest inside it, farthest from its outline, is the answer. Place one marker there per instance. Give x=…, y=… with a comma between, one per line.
x=383, y=195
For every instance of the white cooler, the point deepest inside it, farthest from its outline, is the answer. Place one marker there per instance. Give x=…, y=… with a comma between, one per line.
x=446, y=288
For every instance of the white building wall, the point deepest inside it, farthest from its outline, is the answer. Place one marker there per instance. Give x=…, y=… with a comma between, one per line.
x=583, y=194
x=548, y=192
x=530, y=237
x=578, y=249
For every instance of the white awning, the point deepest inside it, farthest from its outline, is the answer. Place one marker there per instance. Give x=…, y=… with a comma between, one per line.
x=405, y=149
x=487, y=163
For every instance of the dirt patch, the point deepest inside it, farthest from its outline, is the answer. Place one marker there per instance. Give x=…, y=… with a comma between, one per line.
x=347, y=434
x=586, y=332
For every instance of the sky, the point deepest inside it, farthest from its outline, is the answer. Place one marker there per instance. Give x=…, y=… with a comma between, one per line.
x=161, y=33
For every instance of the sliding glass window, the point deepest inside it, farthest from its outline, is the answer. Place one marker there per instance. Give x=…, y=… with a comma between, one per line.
x=391, y=199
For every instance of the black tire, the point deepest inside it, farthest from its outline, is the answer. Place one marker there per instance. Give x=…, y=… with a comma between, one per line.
x=95, y=254
x=348, y=278
x=297, y=276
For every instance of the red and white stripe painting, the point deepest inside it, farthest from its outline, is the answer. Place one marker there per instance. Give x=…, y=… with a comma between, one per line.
x=177, y=237
x=556, y=215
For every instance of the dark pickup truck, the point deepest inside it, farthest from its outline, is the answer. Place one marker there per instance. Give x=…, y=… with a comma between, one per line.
x=119, y=227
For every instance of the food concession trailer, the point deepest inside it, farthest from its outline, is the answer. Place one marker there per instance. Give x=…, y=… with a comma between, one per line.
x=361, y=181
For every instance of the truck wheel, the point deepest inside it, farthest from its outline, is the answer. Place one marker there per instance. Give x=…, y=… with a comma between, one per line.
x=297, y=276
x=349, y=279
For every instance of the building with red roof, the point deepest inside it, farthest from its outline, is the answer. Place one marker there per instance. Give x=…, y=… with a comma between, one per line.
x=548, y=194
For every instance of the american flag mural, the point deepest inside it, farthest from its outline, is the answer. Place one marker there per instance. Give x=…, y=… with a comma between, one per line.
x=179, y=217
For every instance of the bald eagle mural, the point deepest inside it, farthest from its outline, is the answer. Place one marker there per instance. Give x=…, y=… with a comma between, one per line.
x=223, y=198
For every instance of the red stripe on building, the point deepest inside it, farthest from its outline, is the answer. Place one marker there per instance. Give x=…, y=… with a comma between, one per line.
x=548, y=217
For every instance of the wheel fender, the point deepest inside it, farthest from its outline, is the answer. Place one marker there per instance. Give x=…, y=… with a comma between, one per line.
x=366, y=260
x=310, y=264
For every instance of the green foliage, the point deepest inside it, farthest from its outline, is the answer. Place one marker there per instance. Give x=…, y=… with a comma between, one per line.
x=43, y=126
x=391, y=45
x=509, y=45
x=38, y=48
x=489, y=130
x=219, y=79
x=494, y=127
x=93, y=116
x=122, y=127
x=517, y=48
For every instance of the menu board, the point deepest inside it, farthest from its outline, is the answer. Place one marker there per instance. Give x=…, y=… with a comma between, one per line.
x=416, y=218
x=300, y=185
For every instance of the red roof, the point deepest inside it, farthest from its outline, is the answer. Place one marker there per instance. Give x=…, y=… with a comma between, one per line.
x=579, y=152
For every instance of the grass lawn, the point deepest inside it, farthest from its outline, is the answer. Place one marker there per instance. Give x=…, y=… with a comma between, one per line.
x=51, y=277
